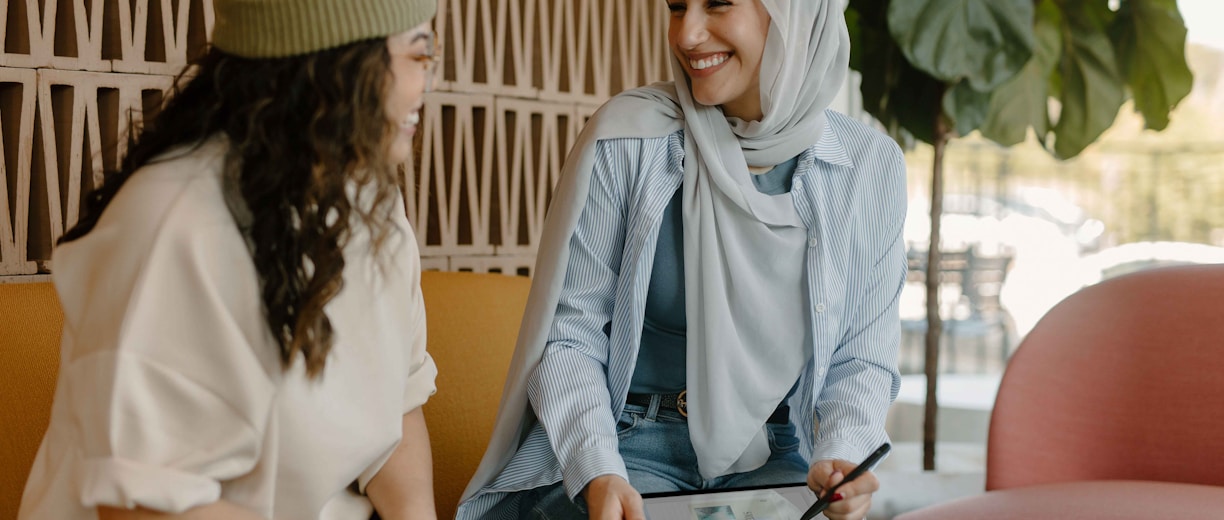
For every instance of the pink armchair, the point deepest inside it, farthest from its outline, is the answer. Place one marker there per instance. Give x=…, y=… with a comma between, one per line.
x=1112, y=407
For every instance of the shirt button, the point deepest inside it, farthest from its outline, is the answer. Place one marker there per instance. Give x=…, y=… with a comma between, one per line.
x=820, y=307
x=812, y=242
x=820, y=371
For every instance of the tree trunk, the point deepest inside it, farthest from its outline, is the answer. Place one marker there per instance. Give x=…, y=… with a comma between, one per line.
x=934, y=322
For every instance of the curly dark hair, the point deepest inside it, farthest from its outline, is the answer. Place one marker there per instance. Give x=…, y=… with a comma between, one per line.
x=301, y=130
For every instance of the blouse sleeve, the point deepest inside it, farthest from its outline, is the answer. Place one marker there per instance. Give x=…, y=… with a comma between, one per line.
x=421, y=369
x=420, y=372
x=569, y=388
x=169, y=369
x=863, y=381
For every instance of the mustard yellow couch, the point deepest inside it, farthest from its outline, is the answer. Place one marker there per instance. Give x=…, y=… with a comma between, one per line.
x=473, y=321
x=30, y=323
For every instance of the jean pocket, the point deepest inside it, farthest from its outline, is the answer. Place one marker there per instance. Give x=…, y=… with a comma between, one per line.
x=627, y=423
x=782, y=438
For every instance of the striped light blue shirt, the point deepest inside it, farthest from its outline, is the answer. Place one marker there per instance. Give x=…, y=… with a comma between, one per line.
x=849, y=191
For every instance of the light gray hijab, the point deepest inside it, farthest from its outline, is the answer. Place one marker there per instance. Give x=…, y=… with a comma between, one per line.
x=744, y=252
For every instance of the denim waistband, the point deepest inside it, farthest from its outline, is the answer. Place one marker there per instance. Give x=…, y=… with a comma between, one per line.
x=676, y=402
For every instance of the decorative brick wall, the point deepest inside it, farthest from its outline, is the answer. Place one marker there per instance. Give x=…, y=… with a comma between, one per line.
x=72, y=72
x=519, y=79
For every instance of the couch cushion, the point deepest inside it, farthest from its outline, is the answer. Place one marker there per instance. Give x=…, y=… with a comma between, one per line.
x=30, y=325
x=473, y=322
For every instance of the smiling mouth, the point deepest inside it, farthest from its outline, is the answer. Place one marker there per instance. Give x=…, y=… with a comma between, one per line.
x=410, y=121
x=708, y=62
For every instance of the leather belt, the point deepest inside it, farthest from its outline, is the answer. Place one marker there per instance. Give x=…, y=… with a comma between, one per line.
x=679, y=403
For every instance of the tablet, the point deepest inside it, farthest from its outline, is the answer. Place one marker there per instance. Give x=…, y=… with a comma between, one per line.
x=776, y=502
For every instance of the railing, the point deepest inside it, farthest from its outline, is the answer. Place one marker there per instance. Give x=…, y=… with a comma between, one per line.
x=973, y=316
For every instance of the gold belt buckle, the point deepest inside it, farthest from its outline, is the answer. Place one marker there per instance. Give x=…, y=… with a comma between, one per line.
x=682, y=403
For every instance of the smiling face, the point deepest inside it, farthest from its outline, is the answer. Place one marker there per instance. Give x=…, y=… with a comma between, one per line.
x=720, y=44
x=410, y=53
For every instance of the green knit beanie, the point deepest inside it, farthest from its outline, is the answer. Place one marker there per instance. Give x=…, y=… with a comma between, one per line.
x=280, y=28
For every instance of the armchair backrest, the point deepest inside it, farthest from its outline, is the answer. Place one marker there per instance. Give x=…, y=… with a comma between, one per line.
x=1122, y=380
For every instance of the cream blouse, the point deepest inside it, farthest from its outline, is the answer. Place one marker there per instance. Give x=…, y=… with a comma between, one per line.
x=171, y=393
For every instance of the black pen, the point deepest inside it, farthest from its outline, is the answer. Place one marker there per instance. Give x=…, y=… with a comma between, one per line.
x=823, y=502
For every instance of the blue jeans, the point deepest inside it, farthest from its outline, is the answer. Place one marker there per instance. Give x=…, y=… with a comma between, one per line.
x=659, y=457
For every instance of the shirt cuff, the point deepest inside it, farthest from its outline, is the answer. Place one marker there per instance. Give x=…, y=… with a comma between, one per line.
x=589, y=464
x=422, y=384
x=126, y=484
x=839, y=449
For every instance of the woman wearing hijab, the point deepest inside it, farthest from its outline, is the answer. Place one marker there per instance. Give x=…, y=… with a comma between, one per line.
x=244, y=332
x=719, y=271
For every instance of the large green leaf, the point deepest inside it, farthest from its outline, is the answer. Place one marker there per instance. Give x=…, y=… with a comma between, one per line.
x=965, y=107
x=1092, y=88
x=1150, y=38
x=985, y=41
x=873, y=54
x=905, y=100
x=854, y=26
x=915, y=103
x=1023, y=101
x=1089, y=15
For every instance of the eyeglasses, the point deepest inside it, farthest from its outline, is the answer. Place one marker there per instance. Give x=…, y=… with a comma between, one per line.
x=429, y=61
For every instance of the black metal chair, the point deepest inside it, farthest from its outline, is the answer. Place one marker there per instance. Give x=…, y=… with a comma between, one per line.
x=976, y=314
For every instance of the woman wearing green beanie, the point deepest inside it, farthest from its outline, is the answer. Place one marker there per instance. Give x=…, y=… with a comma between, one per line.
x=244, y=333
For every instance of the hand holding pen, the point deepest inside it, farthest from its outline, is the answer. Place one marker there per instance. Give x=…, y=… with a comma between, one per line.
x=857, y=497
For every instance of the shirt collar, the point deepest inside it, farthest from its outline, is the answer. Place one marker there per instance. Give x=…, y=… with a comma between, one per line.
x=830, y=148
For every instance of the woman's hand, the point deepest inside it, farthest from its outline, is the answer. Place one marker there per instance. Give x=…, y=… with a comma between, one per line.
x=855, y=498
x=610, y=497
